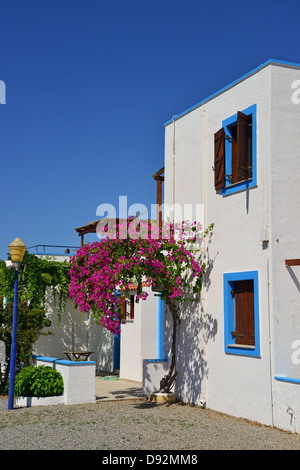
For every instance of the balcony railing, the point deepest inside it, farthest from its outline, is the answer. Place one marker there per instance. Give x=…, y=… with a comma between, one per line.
x=53, y=250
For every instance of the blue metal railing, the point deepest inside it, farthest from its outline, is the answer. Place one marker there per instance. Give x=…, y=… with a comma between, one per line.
x=41, y=249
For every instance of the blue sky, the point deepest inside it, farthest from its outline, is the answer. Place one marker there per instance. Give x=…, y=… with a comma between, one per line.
x=89, y=86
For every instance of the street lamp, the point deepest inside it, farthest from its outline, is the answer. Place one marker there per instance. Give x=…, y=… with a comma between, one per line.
x=17, y=249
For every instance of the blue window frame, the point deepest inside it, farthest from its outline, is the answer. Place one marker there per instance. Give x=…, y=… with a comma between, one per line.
x=228, y=124
x=229, y=314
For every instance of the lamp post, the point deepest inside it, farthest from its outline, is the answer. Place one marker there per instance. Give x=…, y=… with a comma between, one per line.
x=17, y=249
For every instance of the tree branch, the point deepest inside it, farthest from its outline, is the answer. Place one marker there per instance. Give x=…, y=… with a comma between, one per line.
x=168, y=380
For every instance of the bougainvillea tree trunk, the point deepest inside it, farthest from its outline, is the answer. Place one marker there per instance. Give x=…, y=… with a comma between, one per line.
x=168, y=380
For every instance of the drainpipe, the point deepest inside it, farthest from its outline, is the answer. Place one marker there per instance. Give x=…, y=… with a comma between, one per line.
x=174, y=149
x=204, y=395
x=267, y=221
x=270, y=347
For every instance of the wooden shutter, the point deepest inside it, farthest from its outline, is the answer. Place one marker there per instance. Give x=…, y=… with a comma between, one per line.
x=219, y=159
x=131, y=307
x=233, y=132
x=123, y=307
x=244, y=312
x=244, y=147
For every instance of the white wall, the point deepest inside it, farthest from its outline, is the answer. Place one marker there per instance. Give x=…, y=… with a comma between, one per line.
x=139, y=338
x=189, y=164
x=239, y=385
x=75, y=331
x=285, y=282
x=285, y=197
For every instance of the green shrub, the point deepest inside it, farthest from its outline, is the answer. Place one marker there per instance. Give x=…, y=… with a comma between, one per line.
x=32, y=323
x=41, y=381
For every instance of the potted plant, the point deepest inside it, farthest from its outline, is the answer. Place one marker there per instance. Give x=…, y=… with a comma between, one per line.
x=39, y=385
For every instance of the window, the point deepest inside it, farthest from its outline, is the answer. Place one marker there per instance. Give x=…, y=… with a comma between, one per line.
x=241, y=313
x=243, y=294
x=235, y=152
x=127, y=307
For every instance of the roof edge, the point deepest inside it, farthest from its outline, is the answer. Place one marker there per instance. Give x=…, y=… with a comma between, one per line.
x=230, y=85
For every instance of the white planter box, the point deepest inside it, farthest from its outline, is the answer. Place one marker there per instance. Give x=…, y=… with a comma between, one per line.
x=39, y=401
x=79, y=383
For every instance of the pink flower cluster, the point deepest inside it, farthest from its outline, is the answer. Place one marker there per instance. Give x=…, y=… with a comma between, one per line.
x=100, y=270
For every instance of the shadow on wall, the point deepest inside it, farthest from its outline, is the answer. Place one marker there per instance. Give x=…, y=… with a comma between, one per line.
x=72, y=330
x=195, y=329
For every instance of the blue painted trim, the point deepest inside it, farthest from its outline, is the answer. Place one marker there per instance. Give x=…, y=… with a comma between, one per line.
x=287, y=379
x=65, y=362
x=228, y=282
x=45, y=358
x=55, y=360
x=117, y=346
x=235, y=82
x=227, y=123
x=161, y=327
x=117, y=351
x=156, y=360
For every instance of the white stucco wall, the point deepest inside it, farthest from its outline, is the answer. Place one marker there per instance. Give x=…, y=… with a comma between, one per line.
x=139, y=338
x=75, y=331
x=285, y=281
x=239, y=385
x=285, y=196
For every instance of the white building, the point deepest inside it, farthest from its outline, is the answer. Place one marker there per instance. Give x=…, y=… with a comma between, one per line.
x=237, y=153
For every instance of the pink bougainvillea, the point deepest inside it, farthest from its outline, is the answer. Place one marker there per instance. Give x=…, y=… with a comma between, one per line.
x=135, y=252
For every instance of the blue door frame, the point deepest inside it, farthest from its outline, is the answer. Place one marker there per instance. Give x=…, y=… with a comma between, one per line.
x=117, y=341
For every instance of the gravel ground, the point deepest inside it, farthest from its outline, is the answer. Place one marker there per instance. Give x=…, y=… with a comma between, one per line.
x=134, y=425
